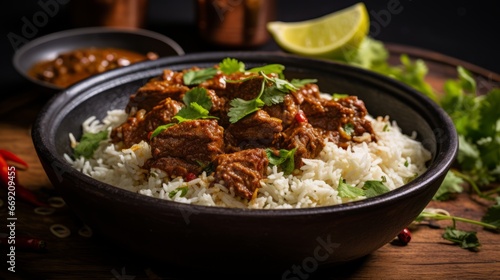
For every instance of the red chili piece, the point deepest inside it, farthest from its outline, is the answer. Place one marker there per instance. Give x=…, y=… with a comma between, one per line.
x=8, y=177
x=12, y=157
x=405, y=236
x=190, y=176
x=25, y=243
x=301, y=117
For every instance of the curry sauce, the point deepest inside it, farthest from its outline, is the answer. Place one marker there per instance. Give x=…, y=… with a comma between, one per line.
x=71, y=67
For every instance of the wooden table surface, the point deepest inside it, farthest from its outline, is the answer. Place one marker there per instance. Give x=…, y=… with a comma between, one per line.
x=427, y=256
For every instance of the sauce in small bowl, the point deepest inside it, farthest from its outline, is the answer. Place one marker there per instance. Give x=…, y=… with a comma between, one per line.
x=71, y=67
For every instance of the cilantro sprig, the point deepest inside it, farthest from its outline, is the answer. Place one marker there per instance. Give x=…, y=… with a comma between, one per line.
x=284, y=159
x=273, y=91
x=89, y=143
x=370, y=188
x=198, y=105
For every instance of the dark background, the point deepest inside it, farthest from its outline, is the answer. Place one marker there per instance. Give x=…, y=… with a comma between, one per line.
x=467, y=30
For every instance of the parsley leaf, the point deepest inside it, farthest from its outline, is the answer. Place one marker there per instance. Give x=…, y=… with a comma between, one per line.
x=240, y=108
x=347, y=191
x=183, y=191
x=273, y=91
x=452, y=184
x=373, y=188
x=465, y=239
x=231, y=65
x=89, y=143
x=302, y=82
x=285, y=159
x=269, y=69
x=195, y=77
x=198, y=104
x=348, y=128
x=492, y=215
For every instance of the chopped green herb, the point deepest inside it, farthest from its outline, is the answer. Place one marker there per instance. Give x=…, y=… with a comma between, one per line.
x=373, y=188
x=337, y=96
x=465, y=239
x=272, y=92
x=269, y=69
x=406, y=164
x=231, y=65
x=89, y=143
x=347, y=191
x=348, y=129
x=183, y=191
x=285, y=159
x=195, y=77
x=386, y=128
x=298, y=83
x=492, y=215
x=198, y=104
x=452, y=184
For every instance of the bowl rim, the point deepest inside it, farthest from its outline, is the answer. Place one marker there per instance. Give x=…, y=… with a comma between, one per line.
x=442, y=162
x=19, y=53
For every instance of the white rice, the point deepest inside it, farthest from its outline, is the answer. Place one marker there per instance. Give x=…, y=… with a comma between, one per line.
x=395, y=157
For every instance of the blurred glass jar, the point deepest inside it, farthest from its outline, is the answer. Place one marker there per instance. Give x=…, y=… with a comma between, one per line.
x=235, y=23
x=111, y=13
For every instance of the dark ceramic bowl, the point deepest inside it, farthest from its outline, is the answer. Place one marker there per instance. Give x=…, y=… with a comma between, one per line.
x=50, y=46
x=221, y=238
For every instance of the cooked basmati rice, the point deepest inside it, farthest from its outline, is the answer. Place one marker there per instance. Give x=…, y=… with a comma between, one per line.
x=395, y=158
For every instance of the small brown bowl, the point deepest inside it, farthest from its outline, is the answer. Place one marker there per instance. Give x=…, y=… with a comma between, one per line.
x=50, y=46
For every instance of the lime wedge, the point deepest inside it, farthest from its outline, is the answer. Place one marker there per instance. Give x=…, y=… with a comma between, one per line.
x=329, y=36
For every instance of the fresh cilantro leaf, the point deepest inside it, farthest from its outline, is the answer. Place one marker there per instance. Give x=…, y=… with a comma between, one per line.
x=183, y=191
x=406, y=164
x=273, y=91
x=285, y=159
x=272, y=96
x=337, y=96
x=452, y=184
x=160, y=129
x=198, y=104
x=195, y=77
x=269, y=69
x=465, y=239
x=231, y=65
x=198, y=95
x=370, y=54
x=192, y=112
x=347, y=191
x=373, y=188
x=298, y=83
x=89, y=143
x=492, y=215
x=348, y=128
x=240, y=108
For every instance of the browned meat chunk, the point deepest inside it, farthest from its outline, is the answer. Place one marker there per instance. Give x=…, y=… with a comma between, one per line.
x=285, y=111
x=196, y=141
x=305, y=138
x=309, y=99
x=343, y=121
x=174, y=167
x=246, y=89
x=242, y=171
x=153, y=92
x=137, y=128
x=257, y=130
